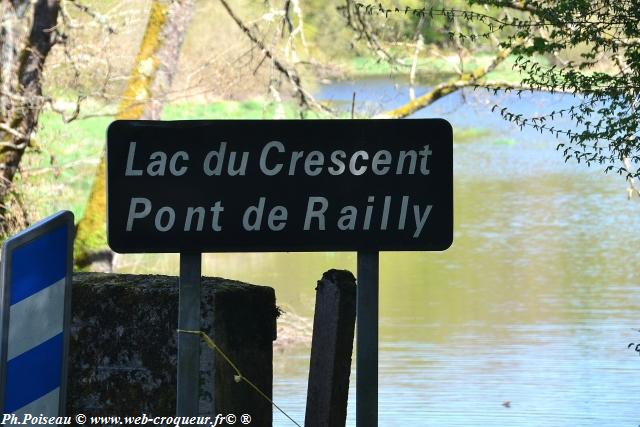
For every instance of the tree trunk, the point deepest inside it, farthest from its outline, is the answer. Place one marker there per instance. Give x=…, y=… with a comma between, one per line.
x=143, y=98
x=21, y=84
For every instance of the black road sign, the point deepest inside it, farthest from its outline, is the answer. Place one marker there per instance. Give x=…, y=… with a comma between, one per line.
x=284, y=185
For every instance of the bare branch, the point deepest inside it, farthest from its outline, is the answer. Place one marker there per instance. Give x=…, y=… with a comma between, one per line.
x=101, y=19
x=5, y=127
x=75, y=112
x=632, y=189
x=444, y=89
x=306, y=98
x=440, y=91
x=362, y=27
x=414, y=64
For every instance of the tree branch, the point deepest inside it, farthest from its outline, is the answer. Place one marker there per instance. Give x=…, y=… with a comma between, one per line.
x=21, y=117
x=444, y=89
x=99, y=18
x=414, y=64
x=306, y=98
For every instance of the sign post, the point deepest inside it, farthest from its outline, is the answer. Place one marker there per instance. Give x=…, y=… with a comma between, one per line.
x=35, y=298
x=190, y=187
x=367, y=340
x=189, y=344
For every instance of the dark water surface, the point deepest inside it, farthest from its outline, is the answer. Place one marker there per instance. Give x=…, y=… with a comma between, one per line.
x=534, y=304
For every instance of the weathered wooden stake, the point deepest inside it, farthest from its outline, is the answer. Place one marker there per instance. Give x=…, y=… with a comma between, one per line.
x=188, y=396
x=331, y=350
x=367, y=341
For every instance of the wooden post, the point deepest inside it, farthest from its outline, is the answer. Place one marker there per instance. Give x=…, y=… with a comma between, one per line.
x=331, y=350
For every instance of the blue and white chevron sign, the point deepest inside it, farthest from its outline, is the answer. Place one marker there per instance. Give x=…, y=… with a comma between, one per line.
x=35, y=298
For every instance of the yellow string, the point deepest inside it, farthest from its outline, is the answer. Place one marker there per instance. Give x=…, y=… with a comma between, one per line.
x=238, y=377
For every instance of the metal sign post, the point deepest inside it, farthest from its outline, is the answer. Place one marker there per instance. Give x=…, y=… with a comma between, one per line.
x=188, y=397
x=367, y=340
x=35, y=299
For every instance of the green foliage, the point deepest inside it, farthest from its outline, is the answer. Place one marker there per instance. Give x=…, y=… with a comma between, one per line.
x=589, y=48
x=397, y=21
x=434, y=69
x=604, y=75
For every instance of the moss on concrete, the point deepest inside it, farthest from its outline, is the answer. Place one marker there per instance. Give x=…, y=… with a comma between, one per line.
x=123, y=350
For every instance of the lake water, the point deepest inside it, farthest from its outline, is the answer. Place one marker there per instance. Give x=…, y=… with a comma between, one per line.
x=534, y=304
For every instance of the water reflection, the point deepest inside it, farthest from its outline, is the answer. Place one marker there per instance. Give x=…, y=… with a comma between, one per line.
x=534, y=303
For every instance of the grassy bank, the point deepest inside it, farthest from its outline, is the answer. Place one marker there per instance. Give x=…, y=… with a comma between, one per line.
x=432, y=69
